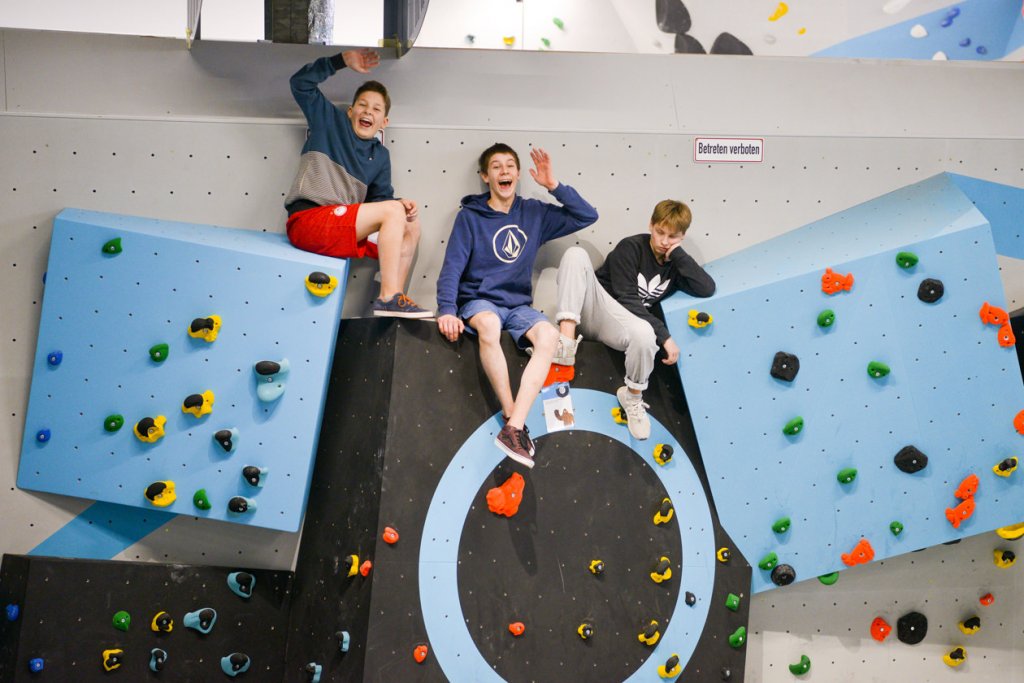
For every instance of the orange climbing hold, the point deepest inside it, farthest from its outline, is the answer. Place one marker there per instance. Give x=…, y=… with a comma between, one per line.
x=961, y=512
x=880, y=629
x=862, y=553
x=517, y=629
x=365, y=568
x=390, y=536
x=987, y=599
x=505, y=499
x=1018, y=422
x=559, y=373
x=992, y=315
x=420, y=654
x=1005, y=336
x=968, y=487
x=833, y=283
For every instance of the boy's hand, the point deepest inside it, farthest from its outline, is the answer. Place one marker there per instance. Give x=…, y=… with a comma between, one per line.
x=671, y=351
x=411, y=210
x=361, y=60
x=451, y=326
x=542, y=169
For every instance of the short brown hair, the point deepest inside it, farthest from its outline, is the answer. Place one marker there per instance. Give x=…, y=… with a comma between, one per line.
x=672, y=214
x=377, y=87
x=496, y=148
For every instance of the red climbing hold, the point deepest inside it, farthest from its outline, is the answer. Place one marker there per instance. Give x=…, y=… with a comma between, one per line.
x=961, y=512
x=517, y=629
x=880, y=629
x=992, y=315
x=559, y=373
x=365, y=568
x=390, y=536
x=987, y=599
x=1005, y=336
x=1018, y=422
x=420, y=654
x=505, y=499
x=967, y=488
x=862, y=553
x=833, y=283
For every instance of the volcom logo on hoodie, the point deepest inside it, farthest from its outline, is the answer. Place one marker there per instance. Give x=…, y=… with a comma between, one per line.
x=650, y=291
x=508, y=243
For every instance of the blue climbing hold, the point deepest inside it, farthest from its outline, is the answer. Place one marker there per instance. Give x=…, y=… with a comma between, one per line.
x=235, y=663
x=12, y=612
x=227, y=439
x=201, y=620
x=54, y=358
x=966, y=42
x=240, y=505
x=241, y=584
x=315, y=671
x=254, y=475
x=157, y=659
x=981, y=50
x=270, y=379
x=43, y=435
x=344, y=640
x=946, y=23
x=36, y=664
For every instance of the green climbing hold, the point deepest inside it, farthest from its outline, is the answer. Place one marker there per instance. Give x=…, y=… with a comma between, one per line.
x=738, y=637
x=781, y=525
x=732, y=602
x=829, y=579
x=559, y=23
x=158, y=352
x=112, y=246
x=896, y=528
x=122, y=621
x=547, y=43
x=878, y=369
x=769, y=561
x=847, y=475
x=801, y=667
x=826, y=318
x=112, y=423
x=906, y=259
x=794, y=426
x=200, y=500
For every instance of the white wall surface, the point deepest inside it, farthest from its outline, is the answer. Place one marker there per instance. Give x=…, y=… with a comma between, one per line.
x=145, y=127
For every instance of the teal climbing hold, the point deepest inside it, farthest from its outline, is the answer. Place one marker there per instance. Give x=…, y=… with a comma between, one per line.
x=113, y=246
x=847, y=475
x=794, y=426
x=271, y=377
x=826, y=318
x=877, y=369
x=906, y=259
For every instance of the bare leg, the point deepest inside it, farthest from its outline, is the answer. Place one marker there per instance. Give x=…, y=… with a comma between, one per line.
x=387, y=218
x=568, y=328
x=410, y=240
x=488, y=329
x=544, y=338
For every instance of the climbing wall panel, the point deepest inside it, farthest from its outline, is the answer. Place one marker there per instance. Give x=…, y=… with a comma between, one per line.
x=952, y=392
x=105, y=312
x=66, y=611
x=459, y=574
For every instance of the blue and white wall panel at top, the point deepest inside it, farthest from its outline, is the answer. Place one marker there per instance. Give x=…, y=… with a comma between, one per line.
x=104, y=311
x=953, y=391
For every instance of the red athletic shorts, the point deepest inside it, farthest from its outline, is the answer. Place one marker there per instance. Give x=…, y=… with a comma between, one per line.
x=329, y=230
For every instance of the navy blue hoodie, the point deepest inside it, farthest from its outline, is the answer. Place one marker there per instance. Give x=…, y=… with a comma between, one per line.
x=490, y=254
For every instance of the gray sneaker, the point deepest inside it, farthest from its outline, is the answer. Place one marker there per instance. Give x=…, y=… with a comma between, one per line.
x=636, y=413
x=399, y=306
x=565, y=354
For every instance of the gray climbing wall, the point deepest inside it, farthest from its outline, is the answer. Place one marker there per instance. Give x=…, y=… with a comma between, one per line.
x=140, y=126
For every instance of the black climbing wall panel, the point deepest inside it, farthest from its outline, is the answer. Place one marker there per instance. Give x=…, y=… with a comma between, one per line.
x=401, y=402
x=66, y=610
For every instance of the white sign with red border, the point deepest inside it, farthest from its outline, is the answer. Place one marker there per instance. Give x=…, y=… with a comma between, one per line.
x=728, y=150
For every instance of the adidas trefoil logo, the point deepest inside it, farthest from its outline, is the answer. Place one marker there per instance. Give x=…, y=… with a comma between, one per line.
x=650, y=291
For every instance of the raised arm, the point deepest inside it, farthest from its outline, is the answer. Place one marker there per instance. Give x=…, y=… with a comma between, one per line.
x=688, y=276
x=306, y=81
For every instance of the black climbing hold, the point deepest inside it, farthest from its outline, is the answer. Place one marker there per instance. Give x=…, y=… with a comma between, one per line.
x=911, y=628
x=783, y=575
x=253, y=475
x=154, y=490
x=193, y=401
x=930, y=290
x=785, y=366
x=671, y=663
x=224, y=439
x=318, y=278
x=726, y=673
x=238, y=504
x=910, y=460
x=728, y=44
x=691, y=599
x=672, y=16
x=688, y=45
x=267, y=367
x=200, y=324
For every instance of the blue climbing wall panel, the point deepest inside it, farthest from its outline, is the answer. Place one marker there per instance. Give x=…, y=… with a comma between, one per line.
x=953, y=391
x=103, y=312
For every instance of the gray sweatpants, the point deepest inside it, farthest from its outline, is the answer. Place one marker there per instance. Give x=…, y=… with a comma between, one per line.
x=599, y=316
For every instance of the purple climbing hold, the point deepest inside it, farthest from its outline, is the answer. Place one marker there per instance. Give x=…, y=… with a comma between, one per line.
x=966, y=42
x=981, y=50
x=946, y=23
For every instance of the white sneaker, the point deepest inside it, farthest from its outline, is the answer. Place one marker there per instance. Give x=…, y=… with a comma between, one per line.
x=636, y=413
x=565, y=354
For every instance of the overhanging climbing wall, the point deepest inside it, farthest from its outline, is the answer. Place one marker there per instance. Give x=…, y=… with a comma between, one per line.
x=952, y=392
x=114, y=340
x=422, y=461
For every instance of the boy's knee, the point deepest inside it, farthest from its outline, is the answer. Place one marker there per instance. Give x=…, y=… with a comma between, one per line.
x=487, y=326
x=643, y=337
x=545, y=338
x=575, y=256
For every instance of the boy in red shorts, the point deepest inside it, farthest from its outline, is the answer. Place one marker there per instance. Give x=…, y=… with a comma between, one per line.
x=342, y=203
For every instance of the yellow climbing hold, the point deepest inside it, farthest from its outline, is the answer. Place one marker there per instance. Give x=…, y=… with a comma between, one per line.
x=779, y=12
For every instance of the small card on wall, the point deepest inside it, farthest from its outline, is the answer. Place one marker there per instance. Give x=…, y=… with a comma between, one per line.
x=558, y=410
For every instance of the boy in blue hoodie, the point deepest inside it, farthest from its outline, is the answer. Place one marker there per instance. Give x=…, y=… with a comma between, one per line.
x=486, y=283
x=342, y=203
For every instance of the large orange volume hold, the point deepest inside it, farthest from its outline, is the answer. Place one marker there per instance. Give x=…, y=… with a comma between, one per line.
x=505, y=499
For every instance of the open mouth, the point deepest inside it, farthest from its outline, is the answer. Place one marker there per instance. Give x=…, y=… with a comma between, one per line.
x=505, y=184
x=365, y=122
